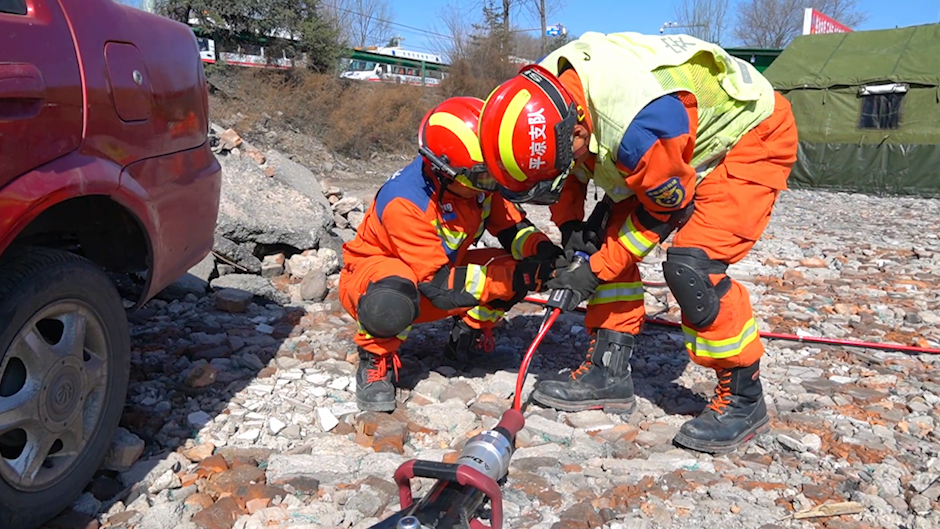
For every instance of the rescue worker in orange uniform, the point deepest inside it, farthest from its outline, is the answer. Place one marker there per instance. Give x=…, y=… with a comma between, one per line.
x=410, y=261
x=683, y=138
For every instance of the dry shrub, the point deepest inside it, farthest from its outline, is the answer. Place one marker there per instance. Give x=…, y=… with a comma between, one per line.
x=465, y=79
x=355, y=118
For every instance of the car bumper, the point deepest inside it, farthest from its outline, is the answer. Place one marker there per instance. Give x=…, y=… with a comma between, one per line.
x=181, y=195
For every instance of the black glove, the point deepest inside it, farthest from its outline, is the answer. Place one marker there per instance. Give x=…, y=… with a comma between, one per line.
x=547, y=251
x=531, y=274
x=444, y=296
x=576, y=237
x=578, y=278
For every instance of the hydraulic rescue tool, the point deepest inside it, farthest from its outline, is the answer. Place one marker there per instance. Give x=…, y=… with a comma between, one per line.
x=462, y=487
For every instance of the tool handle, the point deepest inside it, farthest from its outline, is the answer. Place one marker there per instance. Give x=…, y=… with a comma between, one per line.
x=510, y=424
x=446, y=473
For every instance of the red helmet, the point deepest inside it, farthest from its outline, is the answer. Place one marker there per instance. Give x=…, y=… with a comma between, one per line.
x=447, y=138
x=526, y=135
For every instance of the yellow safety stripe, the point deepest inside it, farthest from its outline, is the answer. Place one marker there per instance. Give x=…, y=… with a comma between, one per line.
x=720, y=348
x=507, y=126
x=633, y=240
x=476, y=280
x=401, y=336
x=452, y=238
x=615, y=292
x=461, y=130
x=518, y=242
x=484, y=314
x=487, y=208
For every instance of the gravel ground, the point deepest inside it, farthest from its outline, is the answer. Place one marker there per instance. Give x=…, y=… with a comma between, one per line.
x=242, y=413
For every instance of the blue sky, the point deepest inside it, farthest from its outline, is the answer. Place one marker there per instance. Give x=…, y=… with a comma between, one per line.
x=418, y=20
x=644, y=17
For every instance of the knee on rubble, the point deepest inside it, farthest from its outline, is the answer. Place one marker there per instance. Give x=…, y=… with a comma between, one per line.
x=388, y=306
x=687, y=271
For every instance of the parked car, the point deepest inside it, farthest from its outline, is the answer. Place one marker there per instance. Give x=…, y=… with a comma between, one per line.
x=105, y=168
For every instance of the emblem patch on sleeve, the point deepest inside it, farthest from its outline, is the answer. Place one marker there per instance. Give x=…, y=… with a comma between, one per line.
x=668, y=195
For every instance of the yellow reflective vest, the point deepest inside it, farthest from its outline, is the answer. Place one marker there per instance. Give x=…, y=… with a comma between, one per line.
x=623, y=72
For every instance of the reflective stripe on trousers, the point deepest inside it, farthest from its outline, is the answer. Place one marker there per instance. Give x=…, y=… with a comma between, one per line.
x=725, y=348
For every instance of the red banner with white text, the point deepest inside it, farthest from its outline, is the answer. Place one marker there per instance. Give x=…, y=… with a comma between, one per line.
x=815, y=23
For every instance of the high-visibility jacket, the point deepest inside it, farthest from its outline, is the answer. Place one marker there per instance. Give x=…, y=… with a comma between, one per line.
x=410, y=220
x=663, y=112
x=622, y=73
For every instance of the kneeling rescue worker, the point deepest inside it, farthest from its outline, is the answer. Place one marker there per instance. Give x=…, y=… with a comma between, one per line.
x=410, y=262
x=682, y=137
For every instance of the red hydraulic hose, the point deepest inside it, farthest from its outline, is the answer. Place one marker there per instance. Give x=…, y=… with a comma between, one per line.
x=791, y=337
x=524, y=367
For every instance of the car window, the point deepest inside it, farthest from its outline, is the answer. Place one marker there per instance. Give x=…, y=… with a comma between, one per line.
x=13, y=7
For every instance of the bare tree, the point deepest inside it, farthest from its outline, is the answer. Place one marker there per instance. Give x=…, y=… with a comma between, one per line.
x=774, y=23
x=362, y=22
x=703, y=19
x=541, y=10
x=452, y=35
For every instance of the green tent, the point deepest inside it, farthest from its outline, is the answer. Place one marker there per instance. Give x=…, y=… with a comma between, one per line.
x=867, y=106
x=760, y=58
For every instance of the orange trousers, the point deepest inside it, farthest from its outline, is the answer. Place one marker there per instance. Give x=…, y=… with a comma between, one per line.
x=353, y=284
x=733, y=205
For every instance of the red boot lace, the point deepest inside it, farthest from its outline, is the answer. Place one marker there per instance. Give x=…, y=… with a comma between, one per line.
x=485, y=340
x=587, y=361
x=379, y=368
x=722, y=397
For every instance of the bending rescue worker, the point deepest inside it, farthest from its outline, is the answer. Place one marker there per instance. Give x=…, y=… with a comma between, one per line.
x=681, y=136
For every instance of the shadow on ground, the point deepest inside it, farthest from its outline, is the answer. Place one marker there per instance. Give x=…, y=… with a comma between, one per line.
x=658, y=362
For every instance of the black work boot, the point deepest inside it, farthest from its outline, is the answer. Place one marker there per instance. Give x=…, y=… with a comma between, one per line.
x=604, y=380
x=468, y=348
x=375, y=390
x=735, y=415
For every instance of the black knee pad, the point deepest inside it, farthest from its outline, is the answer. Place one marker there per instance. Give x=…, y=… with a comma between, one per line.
x=389, y=306
x=686, y=271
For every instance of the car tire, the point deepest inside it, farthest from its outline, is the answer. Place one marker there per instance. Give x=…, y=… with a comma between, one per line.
x=64, y=368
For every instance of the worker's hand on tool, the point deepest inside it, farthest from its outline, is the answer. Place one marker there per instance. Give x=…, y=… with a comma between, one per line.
x=576, y=237
x=579, y=279
x=531, y=274
x=547, y=251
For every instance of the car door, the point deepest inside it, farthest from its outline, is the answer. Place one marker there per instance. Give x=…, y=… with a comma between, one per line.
x=40, y=87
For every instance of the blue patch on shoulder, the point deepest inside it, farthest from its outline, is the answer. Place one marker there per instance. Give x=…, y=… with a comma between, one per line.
x=410, y=184
x=664, y=118
x=669, y=194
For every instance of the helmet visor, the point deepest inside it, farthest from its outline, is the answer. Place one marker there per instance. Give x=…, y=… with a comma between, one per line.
x=544, y=193
x=477, y=177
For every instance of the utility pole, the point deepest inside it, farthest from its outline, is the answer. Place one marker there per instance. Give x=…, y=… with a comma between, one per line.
x=544, y=38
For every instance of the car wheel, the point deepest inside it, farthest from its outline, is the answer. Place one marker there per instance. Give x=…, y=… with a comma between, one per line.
x=64, y=366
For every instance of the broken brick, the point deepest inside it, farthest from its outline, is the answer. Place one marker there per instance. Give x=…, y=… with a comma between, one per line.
x=390, y=437
x=199, y=500
x=212, y=465
x=536, y=487
x=221, y=515
x=229, y=481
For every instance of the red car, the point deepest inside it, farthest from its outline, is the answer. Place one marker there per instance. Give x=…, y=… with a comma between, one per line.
x=105, y=168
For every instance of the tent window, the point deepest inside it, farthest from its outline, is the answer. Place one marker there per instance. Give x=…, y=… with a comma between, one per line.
x=881, y=106
x=881, y=111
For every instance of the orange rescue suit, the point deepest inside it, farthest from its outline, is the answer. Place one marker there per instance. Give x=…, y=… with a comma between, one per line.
x=732, y=207
x=413, y=229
